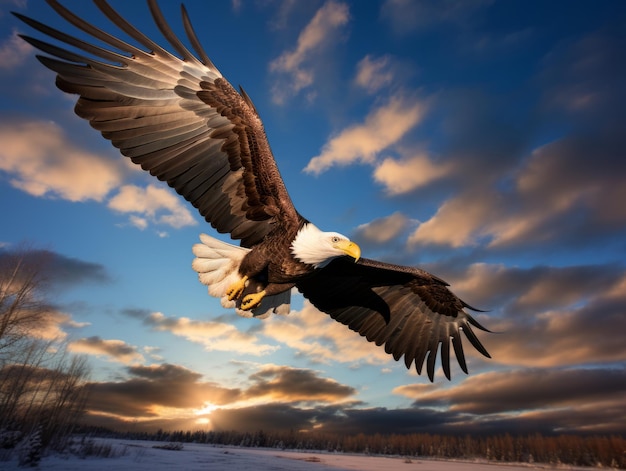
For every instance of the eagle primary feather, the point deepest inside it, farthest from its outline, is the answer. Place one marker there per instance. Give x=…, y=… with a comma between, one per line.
x=180, y=120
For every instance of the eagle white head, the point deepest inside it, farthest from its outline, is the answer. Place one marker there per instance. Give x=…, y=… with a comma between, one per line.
x=315, y=247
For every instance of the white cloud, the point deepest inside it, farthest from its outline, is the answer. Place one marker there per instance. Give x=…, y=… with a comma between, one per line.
x=317, y=34
x=44, y=162
x=373, y=74
x=13, y=52
x=154, y=204
x=402, y=176
x=383, y=127
x=211, y=335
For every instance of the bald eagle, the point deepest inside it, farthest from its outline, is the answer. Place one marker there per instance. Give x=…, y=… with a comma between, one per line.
x=179, y=119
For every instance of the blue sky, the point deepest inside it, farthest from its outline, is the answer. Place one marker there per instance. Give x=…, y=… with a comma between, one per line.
x=482, y=141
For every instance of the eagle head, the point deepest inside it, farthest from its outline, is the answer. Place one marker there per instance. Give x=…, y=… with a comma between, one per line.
x=315, y=247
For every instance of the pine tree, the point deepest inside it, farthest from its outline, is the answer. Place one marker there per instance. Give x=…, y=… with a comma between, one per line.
x=30, y=451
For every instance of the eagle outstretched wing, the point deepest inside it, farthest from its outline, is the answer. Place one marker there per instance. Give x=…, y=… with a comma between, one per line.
x=407, y=309
x=177, y=118
x=183, y=122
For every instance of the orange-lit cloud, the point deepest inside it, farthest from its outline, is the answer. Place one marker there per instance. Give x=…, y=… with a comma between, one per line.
x=212, y=335
x=408, y=174
x=150, y=391
x=520, y=390
x=373, y=73
x=164, y=395
x=383, y=229
x=317, y=336
x=383, y=127
x=459, y=221
x=553, y=317
x=43, y=161
x=151, y=204
x=280, y=383
x=50, y=326
x=116, y=350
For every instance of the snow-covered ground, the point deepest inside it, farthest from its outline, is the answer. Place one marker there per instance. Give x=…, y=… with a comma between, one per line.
x=142, y=456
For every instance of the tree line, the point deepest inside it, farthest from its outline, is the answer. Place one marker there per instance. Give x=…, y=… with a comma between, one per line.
x=576, y=450
x=43, y=388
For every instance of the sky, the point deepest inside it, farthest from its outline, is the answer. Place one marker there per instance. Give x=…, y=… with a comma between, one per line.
x=480, y=140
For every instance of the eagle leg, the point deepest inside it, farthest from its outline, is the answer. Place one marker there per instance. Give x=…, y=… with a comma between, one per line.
x=252, y=300
x=235, y=290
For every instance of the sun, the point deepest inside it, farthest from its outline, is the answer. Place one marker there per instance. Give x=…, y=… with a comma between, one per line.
x=206, y=409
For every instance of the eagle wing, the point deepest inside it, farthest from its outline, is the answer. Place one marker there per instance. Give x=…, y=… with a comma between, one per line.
x=407, y=309
x=177, y=118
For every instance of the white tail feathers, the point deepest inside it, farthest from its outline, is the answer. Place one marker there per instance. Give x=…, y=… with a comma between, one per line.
x=217, y=264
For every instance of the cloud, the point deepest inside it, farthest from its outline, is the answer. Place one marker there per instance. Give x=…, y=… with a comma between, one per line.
x=43, y=162
x=236, y=5
x=459, y=221
x=55, y=268
x=14, y=51
x=317, y=35
x=584, y=76
x=372, y=74
x=280, y=383
x=508, y=391
x=278, y=417
x=558, y=193
x=163, y=395
x=549, y=316
x=211, y=335
x=534, y=289
x=50, y=326
x=317, y=337
x=577, y=399
x=383, y=229
x=512, y=192
x=383, y=127
x=149, y=391
x=408, y=16
x=408, y=174
x=152, y=204
x=117, y=350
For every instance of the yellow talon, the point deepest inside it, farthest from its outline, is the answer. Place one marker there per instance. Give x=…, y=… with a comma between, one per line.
x=235, y=290
x=252, y=300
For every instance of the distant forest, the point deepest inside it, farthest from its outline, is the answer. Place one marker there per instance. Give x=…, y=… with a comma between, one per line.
x=594, y=451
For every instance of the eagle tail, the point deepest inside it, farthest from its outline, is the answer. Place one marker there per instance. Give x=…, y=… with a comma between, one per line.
x=217, y=264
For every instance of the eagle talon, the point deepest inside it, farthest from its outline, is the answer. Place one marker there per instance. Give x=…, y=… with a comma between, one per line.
x=235, y=290
x=252, y=300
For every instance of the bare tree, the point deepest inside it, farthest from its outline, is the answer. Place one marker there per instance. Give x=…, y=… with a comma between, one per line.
x=42, y=386
x=23, y=288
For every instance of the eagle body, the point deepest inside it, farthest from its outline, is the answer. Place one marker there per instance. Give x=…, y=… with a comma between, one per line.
x=177, y=117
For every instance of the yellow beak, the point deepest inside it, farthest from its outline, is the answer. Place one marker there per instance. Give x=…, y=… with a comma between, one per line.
x=349, y=248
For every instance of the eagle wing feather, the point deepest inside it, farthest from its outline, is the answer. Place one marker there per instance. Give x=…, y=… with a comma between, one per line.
x=179, y=119
x=408, y=310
